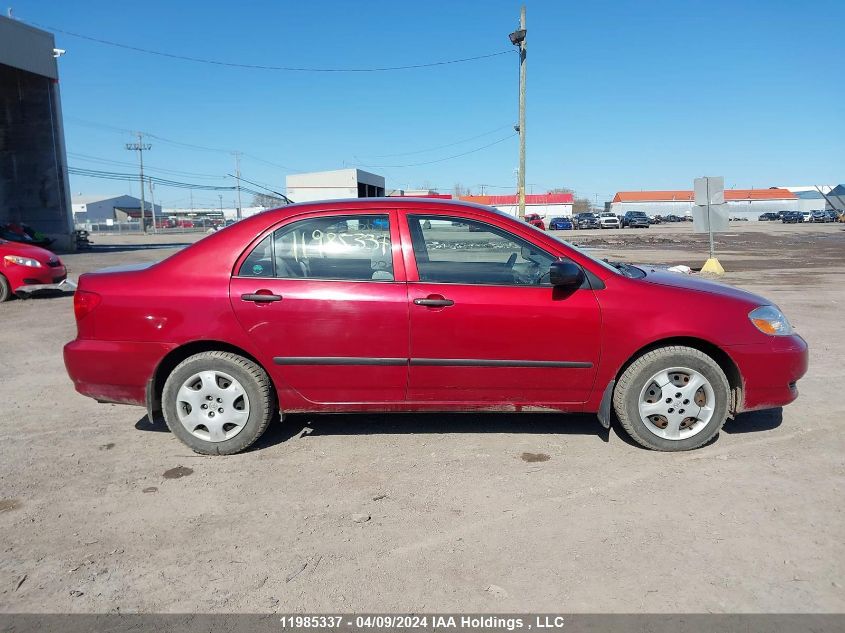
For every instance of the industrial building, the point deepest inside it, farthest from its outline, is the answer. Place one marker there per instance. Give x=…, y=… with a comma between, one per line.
x=546, y=205
x=328, y=185
x=836, y=199
x=110, y=209
x=741, y=203
x=33, y=165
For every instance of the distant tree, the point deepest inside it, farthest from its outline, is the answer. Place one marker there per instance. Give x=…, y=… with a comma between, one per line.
x=459, y=190
x=267, y=201
x=562, y=190
x=581, y=205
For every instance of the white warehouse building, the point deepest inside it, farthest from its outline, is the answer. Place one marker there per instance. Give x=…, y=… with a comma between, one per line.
x=330, y=185
x=741, y=203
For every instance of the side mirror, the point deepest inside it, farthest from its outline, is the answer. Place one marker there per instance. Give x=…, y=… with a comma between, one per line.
x=566, y=274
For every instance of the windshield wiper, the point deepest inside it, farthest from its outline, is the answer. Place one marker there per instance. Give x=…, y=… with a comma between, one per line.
x=626, y=269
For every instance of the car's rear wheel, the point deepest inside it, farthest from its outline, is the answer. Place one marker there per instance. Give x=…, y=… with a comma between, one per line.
x=672, y=399
x=218, y=403
x=5, y=289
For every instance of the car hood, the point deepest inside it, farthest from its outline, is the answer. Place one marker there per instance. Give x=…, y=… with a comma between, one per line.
x=690, y=282
x=25, y=250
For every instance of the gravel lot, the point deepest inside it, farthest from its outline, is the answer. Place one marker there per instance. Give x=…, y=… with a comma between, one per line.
x=101, y=511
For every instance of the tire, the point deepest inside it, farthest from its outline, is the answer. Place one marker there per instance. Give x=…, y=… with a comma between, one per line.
x=685, y=422
x=239, y=390
x=5, y=289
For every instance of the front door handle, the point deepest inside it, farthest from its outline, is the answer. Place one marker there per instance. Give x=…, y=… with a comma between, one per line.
x=434, y=302
x=261, y=297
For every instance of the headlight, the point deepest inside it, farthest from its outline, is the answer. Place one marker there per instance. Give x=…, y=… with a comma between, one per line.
x=22, y=261
x=770, y=320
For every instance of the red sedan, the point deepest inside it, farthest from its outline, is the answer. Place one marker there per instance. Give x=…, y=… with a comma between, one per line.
x=421, y=305
x=26, y=265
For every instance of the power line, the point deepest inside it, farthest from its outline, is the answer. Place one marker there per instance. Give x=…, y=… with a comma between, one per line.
x=164, y=182
x=106, y=161
x=215, y=62
x=170, y=141
x=431, y=149
x=440, y=160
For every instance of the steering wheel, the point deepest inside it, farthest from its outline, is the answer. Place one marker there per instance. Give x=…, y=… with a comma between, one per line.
x=511, y=261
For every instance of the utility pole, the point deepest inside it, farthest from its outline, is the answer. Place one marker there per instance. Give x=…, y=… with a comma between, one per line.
x=238, y=179
x=220, y=195
x=141, y=147
x=153, y=203
x=518, y=38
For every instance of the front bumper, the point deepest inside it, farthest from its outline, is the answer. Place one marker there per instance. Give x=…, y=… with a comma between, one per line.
x=113, y=371
x=770, y=371
x=62, y=285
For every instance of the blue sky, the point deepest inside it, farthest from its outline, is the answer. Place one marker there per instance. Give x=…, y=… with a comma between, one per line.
x=621, y=95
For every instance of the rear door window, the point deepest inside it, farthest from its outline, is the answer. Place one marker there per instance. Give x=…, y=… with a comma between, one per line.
x=351, y=248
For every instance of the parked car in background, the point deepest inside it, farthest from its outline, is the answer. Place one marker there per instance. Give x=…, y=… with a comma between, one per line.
x=792, y=217
x=535, y=220
x=26, y=265
x=587, y=220
x=768, y=217
x=671, y=218
x=561, y=224
x=299, y=309
x=635, y=220
x=609, y=221
x=185, y=224
x=834, y=217
x=655, y=219
x=819, y=216
x=807, y=215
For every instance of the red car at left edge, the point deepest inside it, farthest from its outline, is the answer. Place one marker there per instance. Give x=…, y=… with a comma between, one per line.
x=26, y=265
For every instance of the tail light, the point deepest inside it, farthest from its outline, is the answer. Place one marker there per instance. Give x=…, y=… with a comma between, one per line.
x=84, y=303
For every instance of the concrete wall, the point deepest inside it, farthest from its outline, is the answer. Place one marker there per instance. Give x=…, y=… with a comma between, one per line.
x=33, y=168
x=330, y=185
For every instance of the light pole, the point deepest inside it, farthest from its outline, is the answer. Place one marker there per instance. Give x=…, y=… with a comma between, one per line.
x=518, y=38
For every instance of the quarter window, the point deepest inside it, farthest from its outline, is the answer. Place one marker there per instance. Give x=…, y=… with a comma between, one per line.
x=354, y=247
x=462, y=251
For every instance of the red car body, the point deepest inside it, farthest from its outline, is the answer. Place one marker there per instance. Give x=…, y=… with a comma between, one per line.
x=135, y=326
x=50, y=269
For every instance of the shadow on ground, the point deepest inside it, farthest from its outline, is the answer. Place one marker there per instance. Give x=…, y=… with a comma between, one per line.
x=314, y=425
x=301, y=425
x=755, y=421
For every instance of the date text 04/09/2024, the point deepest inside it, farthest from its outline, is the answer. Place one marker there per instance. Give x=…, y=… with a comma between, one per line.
x=482, y=622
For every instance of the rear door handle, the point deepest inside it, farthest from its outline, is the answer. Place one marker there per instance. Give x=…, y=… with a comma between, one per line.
x=434, y=303
x=258, y=297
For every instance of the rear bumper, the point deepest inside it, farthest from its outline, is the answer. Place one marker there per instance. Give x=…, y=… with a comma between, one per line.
x=770, y=371
x=113, y=371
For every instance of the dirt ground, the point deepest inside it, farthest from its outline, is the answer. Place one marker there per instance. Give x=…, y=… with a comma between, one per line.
x=100, y=511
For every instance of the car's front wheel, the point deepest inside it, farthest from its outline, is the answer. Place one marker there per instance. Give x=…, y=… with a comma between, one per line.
x=672, y=399
x=5, y=289
x=218, y=403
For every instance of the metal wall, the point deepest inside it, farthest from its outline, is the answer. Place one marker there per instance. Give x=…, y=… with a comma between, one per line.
x=33, y=170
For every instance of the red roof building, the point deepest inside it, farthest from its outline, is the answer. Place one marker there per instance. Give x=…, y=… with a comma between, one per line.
x=741, y=203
